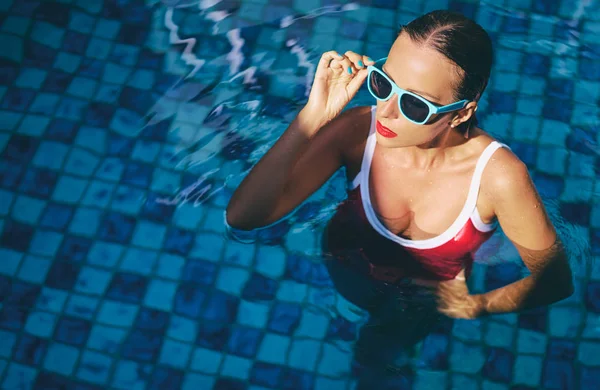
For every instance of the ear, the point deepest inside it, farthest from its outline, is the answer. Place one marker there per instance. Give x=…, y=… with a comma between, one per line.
x=464, y=115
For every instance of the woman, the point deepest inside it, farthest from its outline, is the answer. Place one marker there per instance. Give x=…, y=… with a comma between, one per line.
x=427, y=185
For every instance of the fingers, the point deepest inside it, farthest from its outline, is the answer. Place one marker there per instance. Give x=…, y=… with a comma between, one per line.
x=359, y=61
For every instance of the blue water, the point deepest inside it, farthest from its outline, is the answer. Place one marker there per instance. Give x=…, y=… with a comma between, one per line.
x=126, y=125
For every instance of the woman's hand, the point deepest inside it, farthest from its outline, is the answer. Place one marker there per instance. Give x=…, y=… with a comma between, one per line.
x=455, y=301
x=336, y=82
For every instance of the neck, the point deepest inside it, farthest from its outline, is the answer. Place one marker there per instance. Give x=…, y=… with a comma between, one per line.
x=435, y=152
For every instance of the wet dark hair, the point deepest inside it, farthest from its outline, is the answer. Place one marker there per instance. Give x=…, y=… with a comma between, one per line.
x=462, y=41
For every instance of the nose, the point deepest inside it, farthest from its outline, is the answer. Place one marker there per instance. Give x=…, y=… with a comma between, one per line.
x=389, y=108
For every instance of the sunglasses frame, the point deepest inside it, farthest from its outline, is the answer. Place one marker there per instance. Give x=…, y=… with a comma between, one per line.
x=433, y=109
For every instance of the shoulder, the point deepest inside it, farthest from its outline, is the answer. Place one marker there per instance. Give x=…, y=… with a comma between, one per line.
x=505, y=175
x=351, y=129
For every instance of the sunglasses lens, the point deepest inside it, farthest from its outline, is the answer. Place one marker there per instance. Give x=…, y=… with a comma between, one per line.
x=413, y=108
x=380, y=86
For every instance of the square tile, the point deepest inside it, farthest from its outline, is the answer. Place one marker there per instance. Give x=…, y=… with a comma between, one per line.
x=40, y=324
x=94, y=367
x=160, y=294
x=61, y=358
x=106, y=338
x=175, y=354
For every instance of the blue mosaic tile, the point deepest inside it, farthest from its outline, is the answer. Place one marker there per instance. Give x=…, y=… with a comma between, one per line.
x=10, y=261
x=61, y=358
x=29, y=350
x=558, y=371
x=10, y=174
x=501, y=275
x=110, y=169
x=106, y=339
x=127, y=287
x=197, y=381
x=27, y=210
x=229, y=384
x=45, y=243
x=273, y=348
x=18, y=99
x=41, y=182
x=179, y=241
x=72, y=331
x=589, y=377
x=142, y=345
x=30, y=78
x=74, y=248
x=127, y=199
x=220, y=307
x=6, y=199
x=160, y=294
x=52, y=300
x=71, y=108
x=206, y=361
x=92, y=281
x=40, y=324
x=22, y=294
x=33, y=269
x=341, y=328
x=170, y=266
x=592, y=296
x=292, y=379
x=20, y=148
x=265, y=374
x=165, y=378
x=69, y=189
x=175, y=354
x=50, y=155
x=117, y=313
x=260, y=288
x=156, y=210
x=304, y=354
x=434, y=355
x=577, y=213
x=212, y=335
x=534, y=319
x=99, y=114
x=139, y=261
x=549, y=185
x=18, y=376
x=44, y=103
x=67, y=62
x=499, y=365
x=94, y=367
x=81, y=306
x=182, y=329
x=62, y=130
x=86, y=221
x=244, y=341
x=284, y=318
x=189, y=300
x=12, y=318
x=8, y=341
x=149, y=235
x=104, y=254
x=116, y=227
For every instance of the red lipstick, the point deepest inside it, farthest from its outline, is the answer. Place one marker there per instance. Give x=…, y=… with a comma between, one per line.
x=384, y=131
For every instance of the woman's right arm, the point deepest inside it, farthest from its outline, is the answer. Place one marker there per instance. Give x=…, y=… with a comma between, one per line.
x=297, y=165
x=308, y=152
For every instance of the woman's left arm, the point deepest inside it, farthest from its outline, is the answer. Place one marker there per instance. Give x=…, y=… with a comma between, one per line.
x=525, y=222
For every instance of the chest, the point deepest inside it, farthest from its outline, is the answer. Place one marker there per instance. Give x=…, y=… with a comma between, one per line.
x=417, y=204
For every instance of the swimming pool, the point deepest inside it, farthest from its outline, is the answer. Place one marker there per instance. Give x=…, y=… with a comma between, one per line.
x=126, y=125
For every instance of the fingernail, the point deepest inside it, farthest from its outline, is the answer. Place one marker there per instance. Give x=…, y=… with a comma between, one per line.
x=369, y=59
x=360, y=63
x=350, y=70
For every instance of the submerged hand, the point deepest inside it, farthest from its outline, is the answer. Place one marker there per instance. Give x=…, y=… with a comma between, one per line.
x=455, y=301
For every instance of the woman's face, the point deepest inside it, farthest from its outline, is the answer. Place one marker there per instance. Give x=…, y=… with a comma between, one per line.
x=427, y=73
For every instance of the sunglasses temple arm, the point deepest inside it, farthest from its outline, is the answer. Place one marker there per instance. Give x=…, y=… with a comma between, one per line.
x=452, y=107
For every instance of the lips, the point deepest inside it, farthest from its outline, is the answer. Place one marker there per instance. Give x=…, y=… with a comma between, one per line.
x=384, y=131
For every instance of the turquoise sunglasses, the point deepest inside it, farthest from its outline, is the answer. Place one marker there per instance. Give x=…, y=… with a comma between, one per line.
x=415, y=108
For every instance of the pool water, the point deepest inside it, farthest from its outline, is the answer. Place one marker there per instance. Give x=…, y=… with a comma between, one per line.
x=125, y=126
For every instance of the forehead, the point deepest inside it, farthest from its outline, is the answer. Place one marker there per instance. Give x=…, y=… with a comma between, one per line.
x=418, y=67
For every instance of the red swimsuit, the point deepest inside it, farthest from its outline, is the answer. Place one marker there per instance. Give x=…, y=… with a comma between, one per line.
x=355, y=233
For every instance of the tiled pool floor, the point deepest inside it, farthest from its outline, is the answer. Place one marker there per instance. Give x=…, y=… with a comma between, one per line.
x=124, y=127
